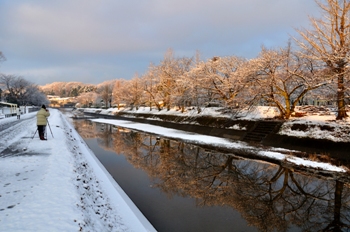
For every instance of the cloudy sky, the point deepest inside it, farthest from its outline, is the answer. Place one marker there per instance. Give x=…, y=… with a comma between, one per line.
x=96, y=40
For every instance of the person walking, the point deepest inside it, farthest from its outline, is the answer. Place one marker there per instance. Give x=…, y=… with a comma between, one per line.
x=41, y=117
x=18, y=113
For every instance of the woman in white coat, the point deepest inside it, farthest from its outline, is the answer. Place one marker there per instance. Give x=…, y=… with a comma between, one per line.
x=41, y=117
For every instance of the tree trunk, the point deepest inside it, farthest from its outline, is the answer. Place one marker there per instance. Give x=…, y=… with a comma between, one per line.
x=341, y=98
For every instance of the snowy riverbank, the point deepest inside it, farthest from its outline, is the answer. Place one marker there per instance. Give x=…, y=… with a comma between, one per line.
x=58, y=184
x=318, y=122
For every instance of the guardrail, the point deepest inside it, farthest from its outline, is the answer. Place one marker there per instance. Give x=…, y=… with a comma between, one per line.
x=28, y=110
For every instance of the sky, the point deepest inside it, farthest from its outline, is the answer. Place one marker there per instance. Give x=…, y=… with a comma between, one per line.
x=92, y=41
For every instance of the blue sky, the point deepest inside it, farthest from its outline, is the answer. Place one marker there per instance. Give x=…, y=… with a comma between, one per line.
x=96, y=40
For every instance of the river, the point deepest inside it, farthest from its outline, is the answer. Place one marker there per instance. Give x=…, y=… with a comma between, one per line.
x=184, y=187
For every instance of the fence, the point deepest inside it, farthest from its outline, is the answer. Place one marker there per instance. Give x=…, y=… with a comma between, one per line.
x=9, y=112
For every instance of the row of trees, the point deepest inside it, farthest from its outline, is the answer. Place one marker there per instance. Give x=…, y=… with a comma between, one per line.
x=19, y=91
x=278, y=77
x=67, y=89
x=282, y=77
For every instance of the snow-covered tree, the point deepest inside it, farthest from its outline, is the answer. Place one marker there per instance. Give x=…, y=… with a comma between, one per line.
x=329, y=41
x=195, y=80
x=150, y=85
x=119, y=85
x=284, y=77
x=87, y=99
x=182, y=91
x=134, y=92
x=168, y=72
x=227, y=81
x=105, y=90
x=65, y=89
x=20, y=91
x=35, y=97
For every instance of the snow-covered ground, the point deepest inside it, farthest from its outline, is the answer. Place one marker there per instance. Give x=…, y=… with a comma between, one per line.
x=317, y=119
x=58, y=184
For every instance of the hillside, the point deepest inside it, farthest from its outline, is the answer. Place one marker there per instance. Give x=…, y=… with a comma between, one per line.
x=67, y=89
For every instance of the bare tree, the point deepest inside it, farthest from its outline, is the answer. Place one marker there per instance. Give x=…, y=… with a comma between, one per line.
x=105, y=90
x=133, y=92
x=200, y=84
x=284, y=78
x=227, y=81
x=87, y=99
x=15, y=88
x=35, y=97
x=118, y=92
x=20, y=91
x=329, y=42
x=182, y=91
x=198, y=94
x=168, y=72
x=150, y=84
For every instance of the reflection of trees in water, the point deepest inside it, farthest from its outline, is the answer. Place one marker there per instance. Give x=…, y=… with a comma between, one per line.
x=86, y=128
x=269, y=197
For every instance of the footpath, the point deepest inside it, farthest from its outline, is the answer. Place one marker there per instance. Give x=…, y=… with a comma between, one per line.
x=58, y=184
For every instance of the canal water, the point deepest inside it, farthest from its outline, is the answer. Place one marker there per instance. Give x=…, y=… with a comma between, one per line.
x=183, y=187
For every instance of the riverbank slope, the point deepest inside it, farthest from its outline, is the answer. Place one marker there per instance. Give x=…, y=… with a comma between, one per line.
x=314, y=132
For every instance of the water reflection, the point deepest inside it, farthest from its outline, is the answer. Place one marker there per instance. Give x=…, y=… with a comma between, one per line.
x=268, y=196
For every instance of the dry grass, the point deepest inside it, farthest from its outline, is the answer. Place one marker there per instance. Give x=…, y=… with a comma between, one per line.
x=326, y=158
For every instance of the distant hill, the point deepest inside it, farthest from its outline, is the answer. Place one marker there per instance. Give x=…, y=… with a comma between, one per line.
x=67, y=89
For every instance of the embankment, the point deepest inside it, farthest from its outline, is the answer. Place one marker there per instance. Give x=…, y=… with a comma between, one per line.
x=239, y=130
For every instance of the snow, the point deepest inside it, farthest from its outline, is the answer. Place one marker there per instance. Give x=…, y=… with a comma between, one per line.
x=58, y=184
x=340, y=131
x=219, y=142
x=315, y=117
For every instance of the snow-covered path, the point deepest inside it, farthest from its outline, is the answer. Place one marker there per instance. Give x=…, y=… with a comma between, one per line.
x=58, y=185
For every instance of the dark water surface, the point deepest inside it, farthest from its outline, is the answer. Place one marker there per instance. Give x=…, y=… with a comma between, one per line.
x=183, y=187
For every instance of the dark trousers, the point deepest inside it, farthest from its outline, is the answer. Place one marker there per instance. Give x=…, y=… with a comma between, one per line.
x=41, y=130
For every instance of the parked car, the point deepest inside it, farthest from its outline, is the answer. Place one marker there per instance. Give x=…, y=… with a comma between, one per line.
x=2, y=116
